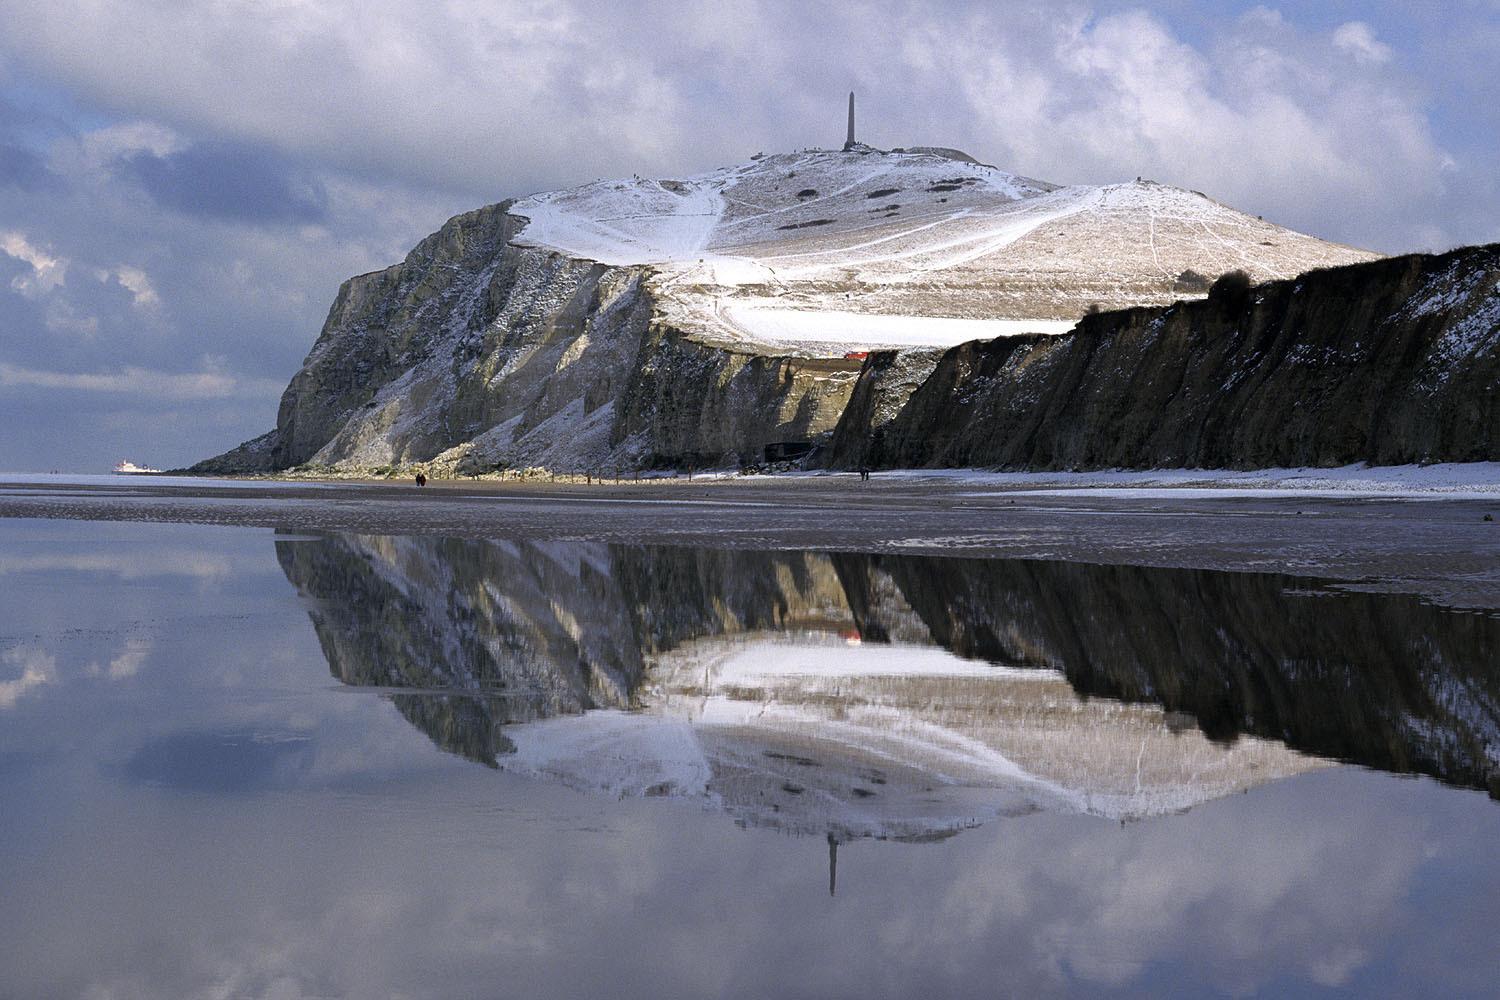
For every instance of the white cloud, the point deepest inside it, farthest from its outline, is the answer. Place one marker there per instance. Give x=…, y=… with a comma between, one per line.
x=135, y=281
x=1357, y=39
x=47, y=272
x=127, y=663
x=102, y=146
x=131, y=380
x=37, y=670
x=63, y=317
x=546, y=93
x=1258, y=120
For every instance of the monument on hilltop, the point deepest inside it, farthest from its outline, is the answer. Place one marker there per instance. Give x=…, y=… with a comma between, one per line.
x=849, y=142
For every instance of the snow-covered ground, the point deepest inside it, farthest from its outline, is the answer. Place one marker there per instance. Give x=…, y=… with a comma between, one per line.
x=1453, y=481
x=938, y=248
x=863, y=331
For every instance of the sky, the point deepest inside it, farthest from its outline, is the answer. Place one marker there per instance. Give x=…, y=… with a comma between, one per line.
x=185, y=183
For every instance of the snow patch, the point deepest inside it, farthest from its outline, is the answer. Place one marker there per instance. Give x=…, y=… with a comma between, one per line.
x=871, y=332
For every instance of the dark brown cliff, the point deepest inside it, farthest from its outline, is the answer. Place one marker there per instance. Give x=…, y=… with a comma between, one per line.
x=1387, y=362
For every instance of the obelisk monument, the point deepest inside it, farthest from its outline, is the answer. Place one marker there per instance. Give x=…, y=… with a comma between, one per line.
x=849, y=142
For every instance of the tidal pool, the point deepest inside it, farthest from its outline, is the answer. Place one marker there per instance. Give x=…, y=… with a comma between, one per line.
x=237, y=763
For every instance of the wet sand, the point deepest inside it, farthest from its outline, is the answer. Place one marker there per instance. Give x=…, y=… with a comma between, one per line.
x=1440, y=548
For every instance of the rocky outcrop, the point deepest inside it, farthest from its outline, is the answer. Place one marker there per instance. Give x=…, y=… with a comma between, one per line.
x=475, y=355
x=720, y=320
x=1387, y=362
x=886, y=382
x=691, y=403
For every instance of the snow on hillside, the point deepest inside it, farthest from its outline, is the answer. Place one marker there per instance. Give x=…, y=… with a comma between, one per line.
x=642, y=221
x=803, y=251
x=862, y=331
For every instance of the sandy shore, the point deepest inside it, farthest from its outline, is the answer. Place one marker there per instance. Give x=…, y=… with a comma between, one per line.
x=1437, y=546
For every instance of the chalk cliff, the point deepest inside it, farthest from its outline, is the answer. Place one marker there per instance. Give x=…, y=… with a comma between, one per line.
x=638, y=323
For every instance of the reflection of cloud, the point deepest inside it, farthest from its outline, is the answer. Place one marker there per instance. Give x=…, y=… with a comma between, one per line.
x=37, y=669
x=127, y=566
x=227, y=763
x=431, y=896
x=1290, y=895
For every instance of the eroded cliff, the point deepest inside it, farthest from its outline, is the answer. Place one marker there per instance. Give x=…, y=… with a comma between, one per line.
x=474, y=355
x=1387, y=362
x=651, y=323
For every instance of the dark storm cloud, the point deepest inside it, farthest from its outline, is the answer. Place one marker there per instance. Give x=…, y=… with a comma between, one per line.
x=22, y=169
x=228, y=180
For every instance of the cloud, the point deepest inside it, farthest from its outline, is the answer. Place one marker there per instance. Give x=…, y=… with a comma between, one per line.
x=1256, y=119
x=228, y=180
x=127, y=663
x=1357, y=39
x=263, y=107
x=38, y=669
x=47, y=272
x=133, y=280
x=131, y=380
x=63, y=317
x=23, y=169
x=100, y=148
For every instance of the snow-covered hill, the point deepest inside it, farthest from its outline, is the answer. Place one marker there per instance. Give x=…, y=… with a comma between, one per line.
x=714, y=319
x=823, y=252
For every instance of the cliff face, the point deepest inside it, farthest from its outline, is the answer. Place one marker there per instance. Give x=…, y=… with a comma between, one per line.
x=640, y=323
x=694, y=403
x=1386, y=362
x=473, y=354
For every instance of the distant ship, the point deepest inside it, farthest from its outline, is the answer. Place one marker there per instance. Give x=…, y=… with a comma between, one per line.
x=126, y=467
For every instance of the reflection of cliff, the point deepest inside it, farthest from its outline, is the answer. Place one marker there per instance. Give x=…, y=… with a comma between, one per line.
x=901, y=741
x=489, y=632
x=473, y=635
x=1383, y=680
x=703, y=640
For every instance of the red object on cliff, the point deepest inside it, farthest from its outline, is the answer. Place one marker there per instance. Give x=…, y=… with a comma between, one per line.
x=856, y=355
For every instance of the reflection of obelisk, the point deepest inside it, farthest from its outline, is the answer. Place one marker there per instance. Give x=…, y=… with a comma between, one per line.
x=849, y=142
x=833, y=864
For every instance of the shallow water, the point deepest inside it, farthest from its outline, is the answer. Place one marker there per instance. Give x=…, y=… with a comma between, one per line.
x=240, y=763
